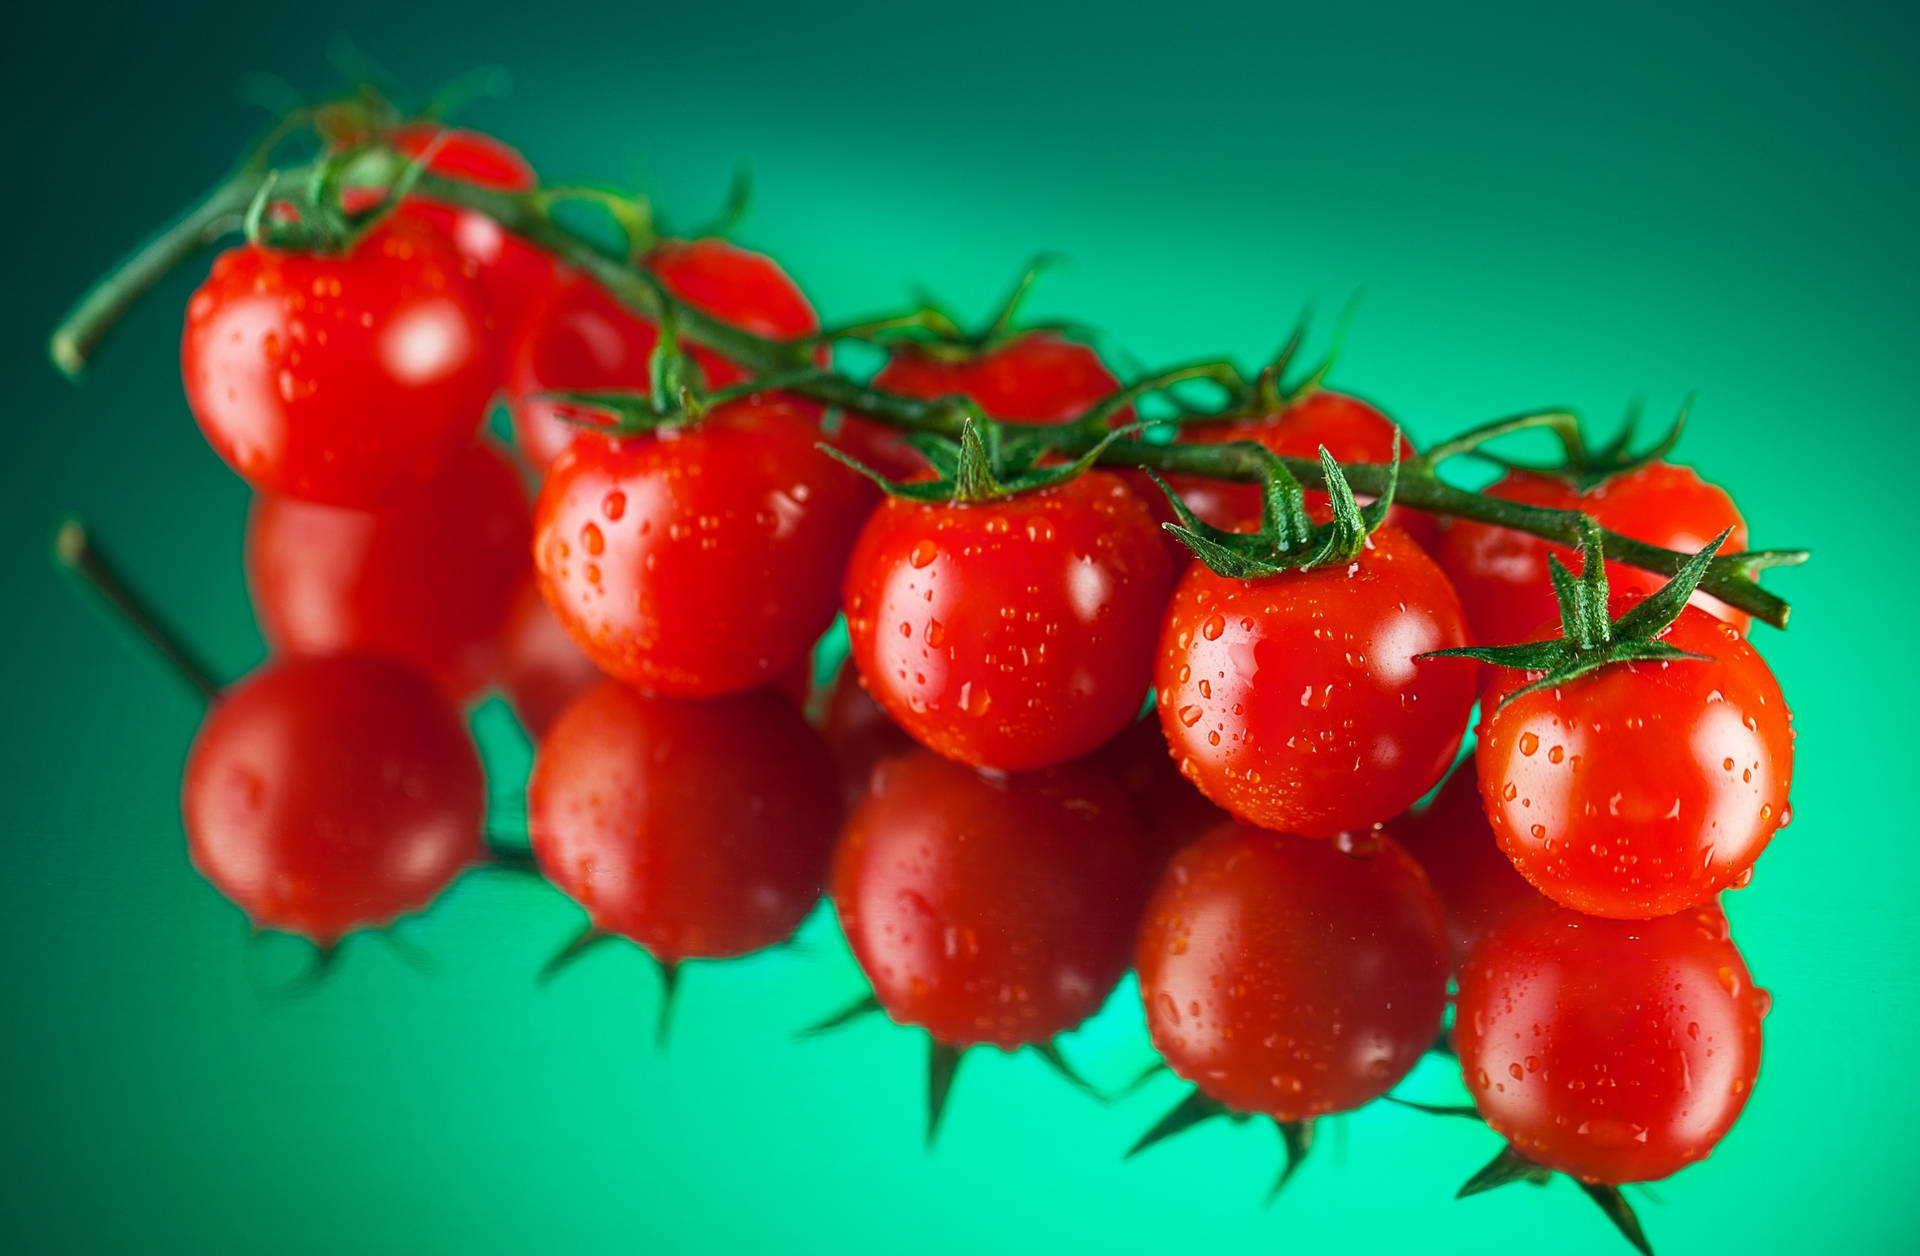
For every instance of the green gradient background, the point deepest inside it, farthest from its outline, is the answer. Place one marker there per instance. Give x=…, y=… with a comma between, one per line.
x=1540, y=209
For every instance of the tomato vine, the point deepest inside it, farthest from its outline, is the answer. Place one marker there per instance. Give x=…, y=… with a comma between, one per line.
x=790, y=364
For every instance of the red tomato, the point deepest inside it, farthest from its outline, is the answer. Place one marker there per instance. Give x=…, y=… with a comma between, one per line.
x=1616, y=1051
x=859, y=732
x=1477, y=884
x=1290, y=977
x=700, y=560
x=324, y=795
x=989, y=910
x=581, y=338
x=428, y=579
x=1297, y=703
x=1641, y=789
x=1039, y=377
x=513, y=273
x=343, y=380
x=1351, y=430
x=541, y=669
x=1013, y=634
x=700, y=830
x=1502, y=574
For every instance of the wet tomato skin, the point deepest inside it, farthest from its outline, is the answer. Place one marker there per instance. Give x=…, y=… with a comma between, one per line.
x=341, y=380
x=990, y=910
x=583, y=338
x=1477, y=884
x=1352, y=431
x=513, y=273
x=429, y=578
x=1039, y=377
x=1292, y=977
x=700, y=830
x=1013, y=634
x=1296, y=701
x=1641, y=789
x=701, y=560
x=1502, y=575
x=325, y=795
x=1612, y=1050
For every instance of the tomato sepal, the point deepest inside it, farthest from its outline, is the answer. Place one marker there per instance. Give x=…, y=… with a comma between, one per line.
x=1504, y=1169
x=1195, y=1108
x=1509, y=1166
x=1049, y=1053
x=943, y=1064
x=1296, y=1140
x=862, y=1007
x=590, y=939
x=1590, y=639
x=1285, y=524
x=977, y=467
x=318, y=962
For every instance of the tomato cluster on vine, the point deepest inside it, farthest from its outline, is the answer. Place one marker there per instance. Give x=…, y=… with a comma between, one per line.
x=1002, y=832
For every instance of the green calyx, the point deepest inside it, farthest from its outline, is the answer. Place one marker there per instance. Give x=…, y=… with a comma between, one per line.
x=1197, y=1107
x=313, y=218
x=1287, y=539
x=932, y=331
x=676, y=392
x=984, y=464
x=1509, y=1166
x=1584, y=466
x=1590, y=638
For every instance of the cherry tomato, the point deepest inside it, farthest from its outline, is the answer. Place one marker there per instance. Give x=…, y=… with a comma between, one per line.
x=1352, y=431
x=1502, y=574
x=1013, y=634
x=1616, y=1051
x=513, y=273
x=582, y=338
x=1297, y=702
x=1455, y=846
x=860, y=734
x=541, y=669
x=700, y=560
x=324, y=795
x=1291, y=977
x=1039, y=377
x=343, y=380
x=1641, y=789
x=700, y=830
x=428, y=579
x=989, y=910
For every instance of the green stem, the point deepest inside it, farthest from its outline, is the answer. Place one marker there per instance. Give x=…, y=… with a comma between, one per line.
x=75, y=551
x=1421, y=489
x=220, y=212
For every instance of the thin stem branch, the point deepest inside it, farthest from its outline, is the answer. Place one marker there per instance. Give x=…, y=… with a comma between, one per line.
x=75, y=551
x=219, y=213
